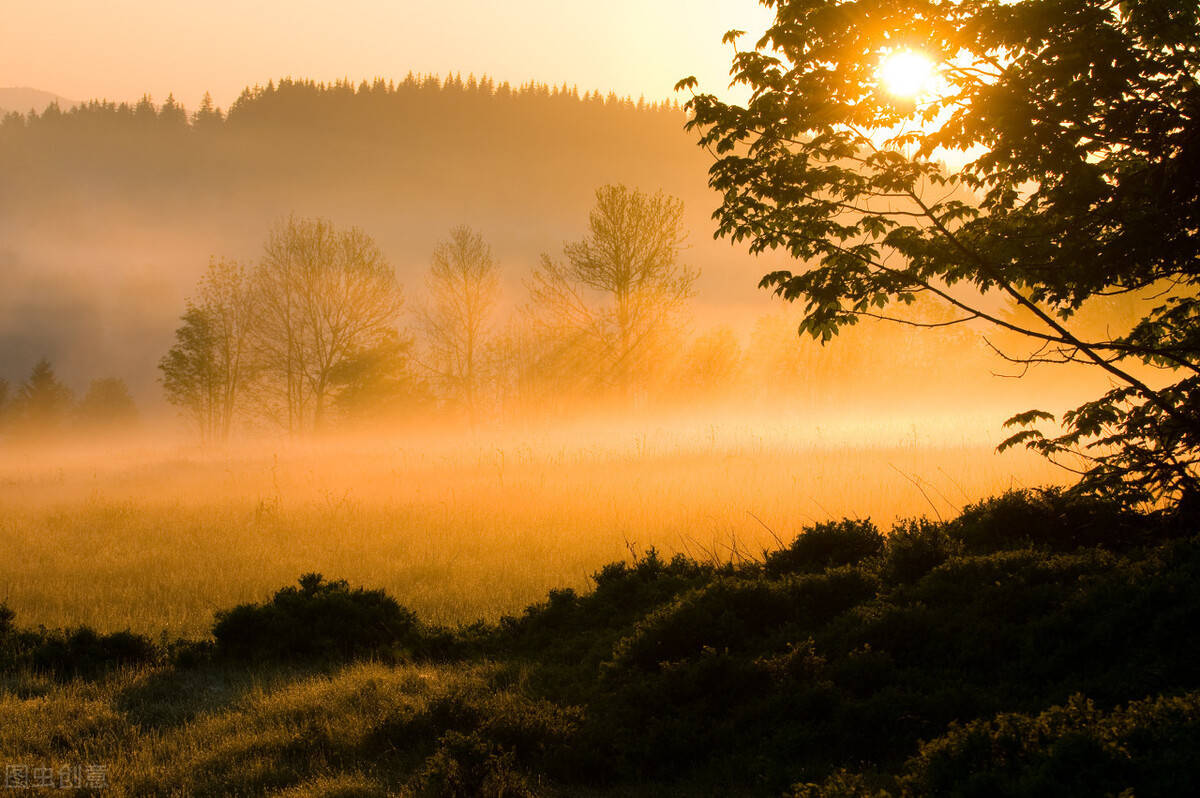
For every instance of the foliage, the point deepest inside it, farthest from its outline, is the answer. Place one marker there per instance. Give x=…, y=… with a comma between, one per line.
x=205, y=372
x=1078, y=121
x=67, y=654
x=318, y=621
x=826, y=545
x=1077, y=749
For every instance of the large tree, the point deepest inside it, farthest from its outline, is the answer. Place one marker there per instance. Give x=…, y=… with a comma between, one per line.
x=1079, y=125
x=620, y=288
x=323, y=296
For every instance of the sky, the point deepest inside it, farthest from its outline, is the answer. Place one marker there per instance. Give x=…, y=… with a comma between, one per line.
x=122, y=49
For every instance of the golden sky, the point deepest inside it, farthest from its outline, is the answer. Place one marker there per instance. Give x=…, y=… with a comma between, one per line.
x=121, y=49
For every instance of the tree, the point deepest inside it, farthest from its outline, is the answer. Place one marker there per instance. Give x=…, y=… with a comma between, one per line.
x=463, y=287
x=189, y=372
x=621, y=288
x=712, y=363
x=206, y=371
x=42, y=403
x=1079, y=121
x=378, y=382
x=5, y=403
x=323, y=296
x=208, y=116
x=107, y=406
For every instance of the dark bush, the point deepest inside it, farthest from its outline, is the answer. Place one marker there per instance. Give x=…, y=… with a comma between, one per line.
x=826, y=545
x=734, y=614
x=1054, y=519
x=318, y=621
x=1149, y=748
x=83, y=652
x=472, y=766
x=70, y=653
x=914, y=548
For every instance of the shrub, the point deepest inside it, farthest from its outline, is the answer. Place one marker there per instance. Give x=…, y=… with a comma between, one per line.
x=70, y=653
x=827, y=545
x=1054, y=519
x=472, y=766
x=1149, y=748
x=735, y=613
x=914, y=548
x=318, y=621
x=83, y=652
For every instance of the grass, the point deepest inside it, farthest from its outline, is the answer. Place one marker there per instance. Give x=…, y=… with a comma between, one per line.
x=1037, y=644
x=459, y=527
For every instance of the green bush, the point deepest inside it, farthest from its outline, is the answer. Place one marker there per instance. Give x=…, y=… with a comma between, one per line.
x=735, y=613
x=472, y=766
x=1148, y=748
x=318, y=621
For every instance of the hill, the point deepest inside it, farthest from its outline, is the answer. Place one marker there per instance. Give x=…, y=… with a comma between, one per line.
x=21, y=99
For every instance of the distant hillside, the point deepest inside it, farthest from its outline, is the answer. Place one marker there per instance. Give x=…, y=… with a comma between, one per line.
x=108, y=212
x=23, y=99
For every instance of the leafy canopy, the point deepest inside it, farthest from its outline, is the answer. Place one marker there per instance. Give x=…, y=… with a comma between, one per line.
x=1077, y=122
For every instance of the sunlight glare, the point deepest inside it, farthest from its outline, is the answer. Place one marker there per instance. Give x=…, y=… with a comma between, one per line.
x=906, y=73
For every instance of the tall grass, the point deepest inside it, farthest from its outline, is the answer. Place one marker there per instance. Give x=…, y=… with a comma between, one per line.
x=457, y=525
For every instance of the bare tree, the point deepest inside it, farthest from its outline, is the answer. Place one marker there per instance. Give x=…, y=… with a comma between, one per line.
x=323, y=295
x=622, y=286
x=463, y=285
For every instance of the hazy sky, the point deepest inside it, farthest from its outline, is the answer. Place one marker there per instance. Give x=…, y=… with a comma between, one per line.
x=120, y=49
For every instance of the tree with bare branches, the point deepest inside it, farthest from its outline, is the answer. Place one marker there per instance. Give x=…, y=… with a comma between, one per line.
x=463, y=288
x=620, y=289
x=323, y=296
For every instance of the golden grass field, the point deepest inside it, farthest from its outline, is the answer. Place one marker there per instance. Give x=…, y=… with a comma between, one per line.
x=156, y=536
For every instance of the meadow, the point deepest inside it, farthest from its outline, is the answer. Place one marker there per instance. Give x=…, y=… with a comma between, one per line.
x=154, y=535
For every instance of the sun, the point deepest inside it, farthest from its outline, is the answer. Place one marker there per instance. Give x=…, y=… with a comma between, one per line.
x=906, y=73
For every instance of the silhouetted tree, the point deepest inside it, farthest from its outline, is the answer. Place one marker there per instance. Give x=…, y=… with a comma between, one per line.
x=107, y=406
x=207, y=116
x=622, y=286
x=190, y=372
x=42, y=403
x=323, y=296
x=1080, y=119
x=206, y=372
x=463, y=287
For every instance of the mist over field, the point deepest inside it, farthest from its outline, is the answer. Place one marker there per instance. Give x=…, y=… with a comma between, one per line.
x=829, y=429
x=109, y=221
